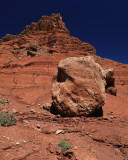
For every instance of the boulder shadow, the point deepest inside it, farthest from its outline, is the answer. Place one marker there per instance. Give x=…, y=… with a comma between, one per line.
x=98, y=113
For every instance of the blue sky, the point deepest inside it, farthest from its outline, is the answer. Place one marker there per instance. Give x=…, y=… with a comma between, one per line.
x=103, y=23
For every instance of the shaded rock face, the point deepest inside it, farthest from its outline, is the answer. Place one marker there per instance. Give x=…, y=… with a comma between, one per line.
x=111, y=90
x=79, y=87
x=110, y=81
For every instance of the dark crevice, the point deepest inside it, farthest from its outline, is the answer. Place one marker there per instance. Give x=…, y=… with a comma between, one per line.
x=98, y=140
x=11, y=66
x=31, y=53
x=61, y=76
x=117, y=146
x=98, y=113
x=51, y=51
x=110, y=83
x=29, y=64
x=7, y=148
x=53, y=110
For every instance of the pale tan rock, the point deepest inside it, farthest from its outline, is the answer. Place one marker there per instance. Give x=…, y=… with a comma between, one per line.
x=59, y=131
x=14, y=111
x=79, y=87
x=26, y=123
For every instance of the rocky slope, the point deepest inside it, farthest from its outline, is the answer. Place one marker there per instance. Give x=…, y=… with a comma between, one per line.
x=28, y=62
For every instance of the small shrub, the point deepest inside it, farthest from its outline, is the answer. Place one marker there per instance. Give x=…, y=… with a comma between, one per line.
x=126, y=157
x=3, y=101
x=64, y=146
x=7, y=119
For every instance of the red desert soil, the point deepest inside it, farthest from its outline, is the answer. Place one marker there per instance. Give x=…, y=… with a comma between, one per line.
x=25, y=81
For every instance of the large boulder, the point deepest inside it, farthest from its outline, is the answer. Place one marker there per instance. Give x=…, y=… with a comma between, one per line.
x=78, y=87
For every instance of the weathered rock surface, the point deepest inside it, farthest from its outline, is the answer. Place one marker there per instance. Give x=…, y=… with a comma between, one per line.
x=79, y=87
x=8, y=37
x=120, y=70
x=46, y=23
x=110, y=81
x=51, y=35
x=47, y=106
x=111, y=90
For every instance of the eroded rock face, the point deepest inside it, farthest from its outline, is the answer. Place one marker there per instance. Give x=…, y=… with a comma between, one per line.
x=8, y=37
x=79, y=87
x=110, y=81
x=47, y=23
x=51, y=35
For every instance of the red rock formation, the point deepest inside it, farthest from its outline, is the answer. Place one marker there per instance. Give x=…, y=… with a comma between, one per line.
x=47, y=42
x=120, y=70
x=51, y=34
x=47, y=23
x=8, y=37
x=47, y=47
x=26, y=82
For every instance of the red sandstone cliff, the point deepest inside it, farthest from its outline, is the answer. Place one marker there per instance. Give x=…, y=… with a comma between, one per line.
x=49, y=34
